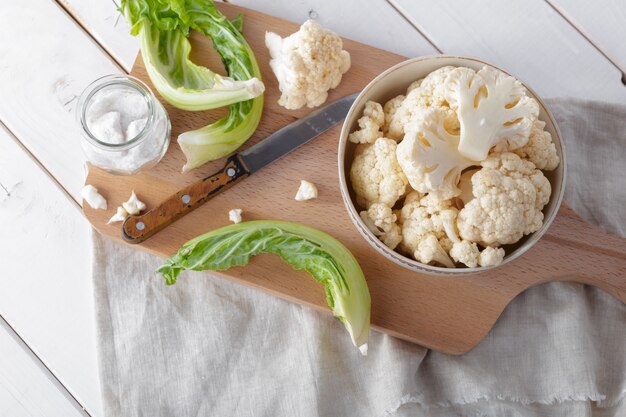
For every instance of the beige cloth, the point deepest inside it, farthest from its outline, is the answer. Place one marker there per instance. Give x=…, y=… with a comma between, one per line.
x=209, y=347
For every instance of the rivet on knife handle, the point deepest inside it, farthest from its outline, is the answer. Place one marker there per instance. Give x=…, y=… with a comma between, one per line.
x=138, y=228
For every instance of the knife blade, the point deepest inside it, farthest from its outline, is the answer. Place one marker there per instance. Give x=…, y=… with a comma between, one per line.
x=136, y=229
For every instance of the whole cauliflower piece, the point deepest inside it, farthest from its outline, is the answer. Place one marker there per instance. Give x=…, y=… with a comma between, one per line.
x=421, y=95
x=540, y=149
x=429, y=156
x=375, y=174
x=370, y=124
x=381, y=221
x=424, y=216
x=307, y=64
x=509, y=194
x=492, y=107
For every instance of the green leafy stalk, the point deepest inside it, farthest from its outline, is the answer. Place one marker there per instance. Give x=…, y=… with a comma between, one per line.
x=163, y=27
x=225, y=135
x=302, y=247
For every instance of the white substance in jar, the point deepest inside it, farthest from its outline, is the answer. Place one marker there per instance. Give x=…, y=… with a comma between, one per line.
x=117, y=115
x=126, y=129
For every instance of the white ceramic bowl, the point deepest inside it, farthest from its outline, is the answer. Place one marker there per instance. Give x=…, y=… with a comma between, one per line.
x=395, y=81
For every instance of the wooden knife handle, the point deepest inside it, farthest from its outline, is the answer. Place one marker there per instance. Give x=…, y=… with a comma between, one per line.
x=136, y=229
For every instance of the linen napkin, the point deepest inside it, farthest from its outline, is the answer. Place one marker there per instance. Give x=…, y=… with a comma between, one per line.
x=210, y=347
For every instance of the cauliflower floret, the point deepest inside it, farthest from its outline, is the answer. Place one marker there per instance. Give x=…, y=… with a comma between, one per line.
x=509, y=194
x=426, y=215
x=133, y=205
x=429, y=156
x=465, y=252
x=375, y=174
x=381, y=221
x=119, y=216
x=540, y=149
x=306, y=191
x=491, y=256
x=492, y=107
x=422, y=95
x=370, y=124
x=390, y=109
x=430, y=250
x=307, y=64
x=90, y=194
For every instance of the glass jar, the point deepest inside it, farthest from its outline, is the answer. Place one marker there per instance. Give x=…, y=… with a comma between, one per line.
x=125, y=129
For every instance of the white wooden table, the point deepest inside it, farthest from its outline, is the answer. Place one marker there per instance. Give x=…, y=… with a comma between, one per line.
x=50, y=50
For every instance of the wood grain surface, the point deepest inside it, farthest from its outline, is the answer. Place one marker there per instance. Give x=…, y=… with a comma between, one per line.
x=450, y=314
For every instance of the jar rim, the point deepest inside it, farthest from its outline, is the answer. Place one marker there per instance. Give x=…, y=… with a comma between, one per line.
x=96, y=86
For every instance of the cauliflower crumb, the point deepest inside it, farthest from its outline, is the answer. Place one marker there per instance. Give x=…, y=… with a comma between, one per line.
x=465, y=252
x=133, y=205
x=369, y=124
x=119, y=216
x=307, y=64
x=381, y=221
x=307, y=191
x=90, y=194
x=509, y=196
x=234, y=215
x=375, y=174
x=491, y=256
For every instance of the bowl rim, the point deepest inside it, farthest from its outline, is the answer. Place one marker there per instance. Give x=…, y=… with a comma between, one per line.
x=403, y=260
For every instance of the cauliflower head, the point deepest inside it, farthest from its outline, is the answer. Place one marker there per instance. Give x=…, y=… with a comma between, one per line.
x=307, y=64
x=370, y=124
x=492, y=107
x=423, y=216
x=429, y=156
x=540, y=149
x=509, y=194
x=421, y=95
x=381, y=221
x=375, y=174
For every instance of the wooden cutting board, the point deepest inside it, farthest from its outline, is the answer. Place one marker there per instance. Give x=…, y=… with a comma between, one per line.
x=450, y=314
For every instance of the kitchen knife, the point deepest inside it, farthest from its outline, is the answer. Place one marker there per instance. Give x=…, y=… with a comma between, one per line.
x=239, y=166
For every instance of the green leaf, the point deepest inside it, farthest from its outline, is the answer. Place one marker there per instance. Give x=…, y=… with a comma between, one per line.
x=302, y=247
x=238, y=22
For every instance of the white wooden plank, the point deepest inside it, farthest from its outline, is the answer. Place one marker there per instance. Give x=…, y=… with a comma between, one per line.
x=528, y=38
x=385, y=29
x=25, y=388
x=47, y=60
x=108, y=27
x=602, y=22
x=46, y=291
x=377, y=23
